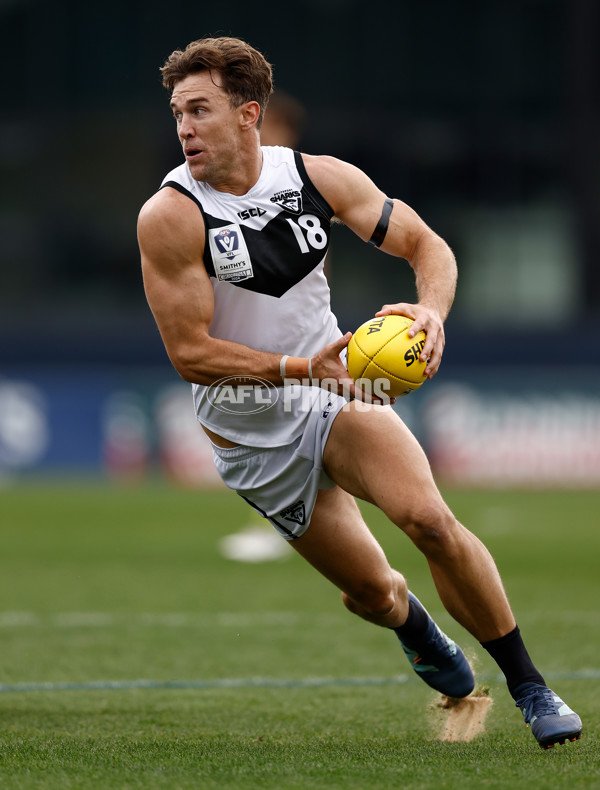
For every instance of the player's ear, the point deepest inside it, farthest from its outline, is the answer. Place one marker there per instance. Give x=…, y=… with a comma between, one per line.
x=249, y=114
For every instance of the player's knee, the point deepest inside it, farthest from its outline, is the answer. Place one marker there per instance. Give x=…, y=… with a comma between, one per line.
x=432, y=527
x=370, y=598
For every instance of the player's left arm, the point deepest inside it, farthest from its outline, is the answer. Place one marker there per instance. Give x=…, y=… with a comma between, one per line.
x=358, y=203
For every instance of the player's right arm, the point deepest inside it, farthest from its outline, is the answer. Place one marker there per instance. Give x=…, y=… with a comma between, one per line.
x=171, y=238
x=178, y=289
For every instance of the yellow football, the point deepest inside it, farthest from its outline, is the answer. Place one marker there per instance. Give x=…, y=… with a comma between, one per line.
x=385, y=358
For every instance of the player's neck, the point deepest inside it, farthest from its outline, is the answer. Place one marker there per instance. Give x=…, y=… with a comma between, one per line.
x=241, y=179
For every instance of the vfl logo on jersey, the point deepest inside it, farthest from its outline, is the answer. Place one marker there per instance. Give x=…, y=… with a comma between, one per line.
x=228, y=242
x=295, y=513
x=289, y=199
x=230, y=254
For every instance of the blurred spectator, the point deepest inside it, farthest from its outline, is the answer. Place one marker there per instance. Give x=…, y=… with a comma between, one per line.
x=284, y=121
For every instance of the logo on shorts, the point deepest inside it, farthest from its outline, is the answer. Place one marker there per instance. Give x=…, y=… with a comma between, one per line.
x=295, y=512
x=242, y=395
x=327, y=409
x=289, y=199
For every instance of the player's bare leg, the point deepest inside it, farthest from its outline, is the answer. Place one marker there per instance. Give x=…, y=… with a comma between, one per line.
x=375, y=457
x=340, y=546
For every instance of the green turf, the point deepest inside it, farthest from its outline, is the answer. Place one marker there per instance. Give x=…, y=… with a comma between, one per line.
x=106, y=584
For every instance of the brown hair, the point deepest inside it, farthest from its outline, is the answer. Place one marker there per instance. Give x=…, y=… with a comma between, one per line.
x=245, y=73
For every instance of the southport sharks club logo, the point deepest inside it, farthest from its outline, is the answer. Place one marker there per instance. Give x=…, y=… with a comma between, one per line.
x=289, y=199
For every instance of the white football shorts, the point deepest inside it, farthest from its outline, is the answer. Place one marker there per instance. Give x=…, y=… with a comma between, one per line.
x=282, y=483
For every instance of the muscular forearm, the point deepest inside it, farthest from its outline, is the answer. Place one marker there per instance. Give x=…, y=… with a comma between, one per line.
x=214, y=359
x=435, y=272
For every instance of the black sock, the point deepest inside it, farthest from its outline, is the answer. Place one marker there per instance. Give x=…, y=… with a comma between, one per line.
x=415, y=625
x=510, y=654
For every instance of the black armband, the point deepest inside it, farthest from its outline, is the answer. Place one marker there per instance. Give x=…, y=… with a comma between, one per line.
x=382, y=226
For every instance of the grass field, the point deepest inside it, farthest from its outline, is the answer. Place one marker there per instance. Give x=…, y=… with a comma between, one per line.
x=135, y=656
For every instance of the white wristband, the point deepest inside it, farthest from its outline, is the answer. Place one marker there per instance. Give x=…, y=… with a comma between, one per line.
x=310, y=370
x=282, y=362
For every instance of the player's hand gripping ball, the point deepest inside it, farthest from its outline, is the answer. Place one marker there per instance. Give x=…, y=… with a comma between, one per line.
x=382, y=353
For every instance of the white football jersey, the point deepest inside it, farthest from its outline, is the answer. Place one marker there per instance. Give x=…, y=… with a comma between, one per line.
x=265, y=252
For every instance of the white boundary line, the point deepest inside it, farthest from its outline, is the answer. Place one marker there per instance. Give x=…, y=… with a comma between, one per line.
x=17, y=619
x=243, y=683
x=24, y=619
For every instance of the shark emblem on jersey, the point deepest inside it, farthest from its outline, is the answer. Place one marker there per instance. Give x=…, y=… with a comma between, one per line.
x=230, y=254
x=289, y=199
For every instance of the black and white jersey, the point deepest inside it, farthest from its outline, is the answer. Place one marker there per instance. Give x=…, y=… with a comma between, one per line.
x=265, y=252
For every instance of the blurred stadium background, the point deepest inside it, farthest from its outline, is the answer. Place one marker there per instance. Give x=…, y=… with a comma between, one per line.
x=483, y=116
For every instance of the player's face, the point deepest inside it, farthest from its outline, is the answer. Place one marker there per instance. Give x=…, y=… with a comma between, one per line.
x=208, y=128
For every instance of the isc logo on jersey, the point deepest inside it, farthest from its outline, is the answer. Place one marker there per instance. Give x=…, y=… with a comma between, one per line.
x=230, y=254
